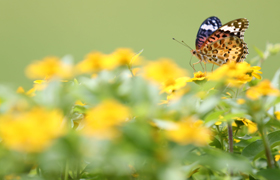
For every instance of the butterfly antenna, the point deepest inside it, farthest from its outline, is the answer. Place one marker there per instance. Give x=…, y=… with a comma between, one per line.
x=187, y=45
x=183, y=43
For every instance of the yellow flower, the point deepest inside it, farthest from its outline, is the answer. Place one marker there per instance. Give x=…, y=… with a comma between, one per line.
x=30, y=131
x=277, y=115
x=218, y=123
x=220, y=120
x=227, y=97
x=30, y=92
x=163, y=70
x=239, y=80
x=277, y=157
x=199, y=76
x=255, y=72
x=235, y=74
x=100, y=121
x=48, y=68
x=240, y=101
x=236, y=140
x=123, y=55
x=264, y=88
x=135, y=71
x=172, y=85
x=12, y=177
x=189, y=131
x=234, y=124
x=80, y=103
x=252, y=127
x=96, y=61
x=175, y=95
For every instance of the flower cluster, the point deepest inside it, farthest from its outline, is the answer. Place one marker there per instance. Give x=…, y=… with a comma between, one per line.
x=101, y=120
x=31, y=130
x=116, y=116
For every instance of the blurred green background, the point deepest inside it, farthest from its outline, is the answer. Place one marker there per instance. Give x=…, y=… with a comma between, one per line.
x=33, y=29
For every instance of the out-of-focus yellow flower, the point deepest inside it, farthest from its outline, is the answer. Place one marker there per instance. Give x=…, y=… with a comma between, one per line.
x=228, y=93
x=220, y=120
x=218, y=123
x=163, y=70
x=135, y=71
x=133, y=173
x=30, y=92
x=277, y=157
x=100, y=121
x=175, y=95
x=80, y=103
x=48, y=68
x=40, y=85
x=240, y=101
x=189, y=131
x=235, y=74
x=239, y=80
x=236, y=140
x=264, y=88
x=124, y=56
x=227, y=97
x=172, y=85
x=277, y=115
x=30, y=131
x=20, y=90
x=96, y=61
x=12, y=177
x=252, y=127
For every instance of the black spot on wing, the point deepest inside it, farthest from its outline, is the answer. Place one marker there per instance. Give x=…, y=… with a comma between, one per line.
x=212, y=24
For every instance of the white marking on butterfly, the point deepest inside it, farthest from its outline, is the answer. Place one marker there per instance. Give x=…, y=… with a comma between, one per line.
x=209, y=27
x=228, y=28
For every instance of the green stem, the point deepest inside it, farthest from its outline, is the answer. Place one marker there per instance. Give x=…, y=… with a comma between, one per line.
x=78, y=170
x=130, y=69
x=268, y=154
x=230, y=138
x=38, y=171
x=221, y=137
x=66, y=170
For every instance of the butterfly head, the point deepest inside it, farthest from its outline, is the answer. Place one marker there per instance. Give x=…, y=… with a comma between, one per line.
x=193, y=52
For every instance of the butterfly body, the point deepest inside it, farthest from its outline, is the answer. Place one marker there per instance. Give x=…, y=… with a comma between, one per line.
x=218, y=44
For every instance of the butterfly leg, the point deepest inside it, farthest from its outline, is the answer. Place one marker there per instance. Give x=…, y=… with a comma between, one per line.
x=212, y=68
x=202, y=66
x=205, y=70
x=195, y=64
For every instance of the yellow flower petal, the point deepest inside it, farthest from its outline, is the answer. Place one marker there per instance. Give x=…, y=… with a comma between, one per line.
x=31, y=131
x=277, y=115
x=240, y=101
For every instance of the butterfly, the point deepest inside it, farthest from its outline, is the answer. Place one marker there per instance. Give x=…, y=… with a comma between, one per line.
x=219, y=44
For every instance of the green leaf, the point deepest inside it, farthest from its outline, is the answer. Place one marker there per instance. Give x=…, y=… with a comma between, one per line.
x=233, y=115
x=218, y=160
x=164, y=124
x=79, y=109
x=212, y=117
x=208, y=104
x=135, y=57
x=275, y=79
x=270, y=174
x=256, y=148
x=216, y=143
x=259, y=52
